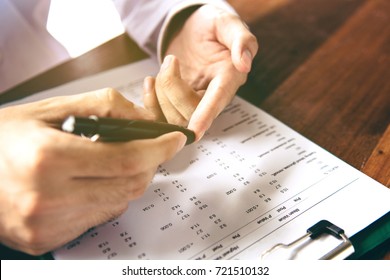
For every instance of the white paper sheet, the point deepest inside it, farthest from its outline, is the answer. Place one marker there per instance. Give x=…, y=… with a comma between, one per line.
x=128, y=79
x=250, y=183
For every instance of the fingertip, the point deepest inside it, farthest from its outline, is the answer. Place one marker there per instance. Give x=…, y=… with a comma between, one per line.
x=149, y=83
x=199, y=129
x=244, y=49
x=169, y=62
x=246, y=61
x=180, y=138
x=181, y=142
x=170, y=68
x=166, y=62
x=149, y=92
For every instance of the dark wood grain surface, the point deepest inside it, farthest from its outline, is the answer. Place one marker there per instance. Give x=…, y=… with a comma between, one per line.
x=323, y=69
x=330, y=81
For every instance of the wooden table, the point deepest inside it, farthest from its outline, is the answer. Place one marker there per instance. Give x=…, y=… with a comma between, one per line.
x=323, y=69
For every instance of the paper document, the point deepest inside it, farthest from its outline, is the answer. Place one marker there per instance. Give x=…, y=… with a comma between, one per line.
x=250, y=183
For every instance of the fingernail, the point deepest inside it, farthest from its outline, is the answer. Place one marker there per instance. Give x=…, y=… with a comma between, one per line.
x=166, y=62
x=182, y=142
x=148, y=85
x=200, y=135
x=246, y=58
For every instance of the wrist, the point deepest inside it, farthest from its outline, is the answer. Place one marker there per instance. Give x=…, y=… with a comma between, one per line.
x=180, y=14
x=174, y=26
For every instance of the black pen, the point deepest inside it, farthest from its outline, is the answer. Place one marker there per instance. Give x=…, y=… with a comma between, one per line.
x=120, y=130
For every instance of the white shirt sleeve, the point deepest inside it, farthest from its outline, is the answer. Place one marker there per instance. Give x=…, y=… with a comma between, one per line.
x=147, y=21
x=26, y=48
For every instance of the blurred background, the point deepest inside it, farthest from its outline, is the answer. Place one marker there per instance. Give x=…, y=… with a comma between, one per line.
x=83, y=25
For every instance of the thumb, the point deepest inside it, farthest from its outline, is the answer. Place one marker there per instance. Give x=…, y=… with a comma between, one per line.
x=103, y=102
x=235, y=35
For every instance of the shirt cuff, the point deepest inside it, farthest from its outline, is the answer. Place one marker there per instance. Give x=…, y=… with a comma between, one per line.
x=163, y=35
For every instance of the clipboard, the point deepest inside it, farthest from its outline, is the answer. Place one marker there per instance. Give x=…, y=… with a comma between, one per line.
x=371, y=242
x=343, y=250
x=355, y=247
x=366, y=244
x=362, y=242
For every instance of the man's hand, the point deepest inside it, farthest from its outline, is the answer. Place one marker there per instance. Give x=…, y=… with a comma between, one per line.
x=54, y=185
x=215, y=50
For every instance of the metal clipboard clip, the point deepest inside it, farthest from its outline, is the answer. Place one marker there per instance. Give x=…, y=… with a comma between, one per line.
x=341, y=251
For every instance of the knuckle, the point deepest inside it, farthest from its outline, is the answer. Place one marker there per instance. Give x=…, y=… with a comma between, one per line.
x=164, y=83
x=108, y=99
x=112, y=95
x=139, y=185
x=136, y=163
x=130, y=165
x=38, y=161
x=31, y=233
x=34, y=204
x=177, y=120
x=222, y=18
x=107, y=94
x=28, y=205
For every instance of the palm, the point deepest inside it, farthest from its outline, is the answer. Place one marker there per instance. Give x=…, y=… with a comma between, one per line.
x=202, y=57
x=214, y=49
